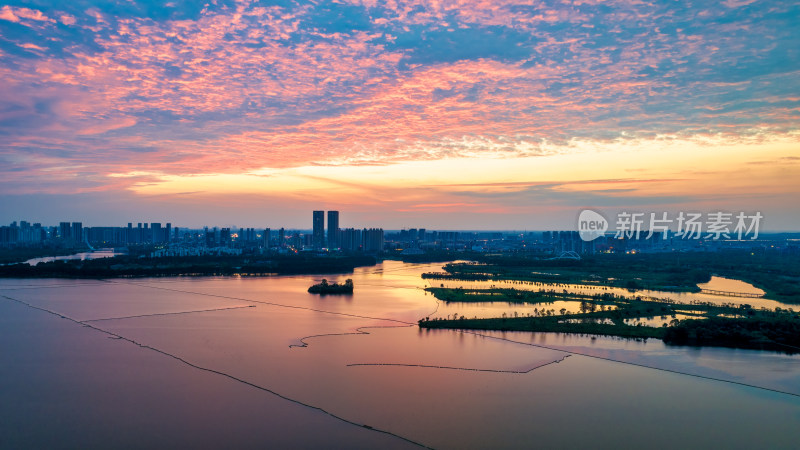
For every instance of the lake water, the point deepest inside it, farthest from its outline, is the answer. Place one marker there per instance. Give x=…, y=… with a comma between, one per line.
x=245, y=362
x=102, y=253
x=716, y=283
x=729, y=285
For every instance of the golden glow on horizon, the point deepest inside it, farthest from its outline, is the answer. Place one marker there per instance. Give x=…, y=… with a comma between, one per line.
x=635, y=168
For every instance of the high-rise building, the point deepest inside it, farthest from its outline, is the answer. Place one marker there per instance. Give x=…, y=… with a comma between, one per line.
x=158, y=235
x=25, y=232
x=319, y=229
x=77, y=231
x=248, y=235
x=267, y=232
x=350, y=239
x=9, y=235
x=333, y=229
x=64, y=230
x=373, y=239
x=168, y=232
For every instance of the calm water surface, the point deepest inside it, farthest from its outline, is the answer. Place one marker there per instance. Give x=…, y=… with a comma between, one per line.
x=193, y=361
x=102, y=253
x=716, y=283
x=730, y=285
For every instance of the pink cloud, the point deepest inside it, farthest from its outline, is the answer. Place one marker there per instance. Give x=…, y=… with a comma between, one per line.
x=14, y=14
x=242, y=98
x=107, y=125
x=66, y=19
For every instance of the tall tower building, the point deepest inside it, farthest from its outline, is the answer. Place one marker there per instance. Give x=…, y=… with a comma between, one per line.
x=333, y=229
x=319, y=229
x=373, y=239
x=64, y=230
x=158, y=235
x=77, y=231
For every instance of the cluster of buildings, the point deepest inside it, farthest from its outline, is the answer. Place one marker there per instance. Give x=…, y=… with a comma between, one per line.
x=370, y=240
x=24, y=234
x=174, y=241
x=74, y=234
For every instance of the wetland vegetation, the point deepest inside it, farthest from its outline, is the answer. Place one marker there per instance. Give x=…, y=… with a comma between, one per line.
x=776, y=273
x=726, y=325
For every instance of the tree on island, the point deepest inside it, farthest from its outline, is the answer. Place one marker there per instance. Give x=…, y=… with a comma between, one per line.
x=327, y=288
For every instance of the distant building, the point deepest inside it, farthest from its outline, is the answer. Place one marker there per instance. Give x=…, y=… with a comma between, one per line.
x=319, y=229
x=76, y=233
x=9, y=235
x=247, y=235
x=333, y=229
x=158, y=235
x=64, y=230
x=25, y=234
x=210, y=237
x=350, y=239
x=372, y=239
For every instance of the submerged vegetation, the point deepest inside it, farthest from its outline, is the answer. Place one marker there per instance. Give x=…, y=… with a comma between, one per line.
x=327, y=288
x=728, y=325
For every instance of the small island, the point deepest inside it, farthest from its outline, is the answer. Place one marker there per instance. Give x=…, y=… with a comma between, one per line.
x=335, y=288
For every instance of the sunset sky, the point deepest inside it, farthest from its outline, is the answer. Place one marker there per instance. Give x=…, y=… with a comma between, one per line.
x=438, y=114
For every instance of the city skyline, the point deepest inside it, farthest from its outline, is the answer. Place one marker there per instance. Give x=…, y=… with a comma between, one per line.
x=447, y=115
